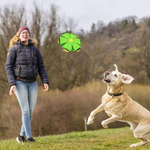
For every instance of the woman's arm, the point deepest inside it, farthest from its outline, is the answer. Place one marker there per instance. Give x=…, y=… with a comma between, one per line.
x=41, y=68
x=46, y=87
x=10, y=61
x=12, y=89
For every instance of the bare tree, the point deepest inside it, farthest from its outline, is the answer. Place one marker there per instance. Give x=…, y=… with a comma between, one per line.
x=100, y=26
x=51, y=30
x=38, y=24
x=144, y=54
x=70, y=25
x=11, y=18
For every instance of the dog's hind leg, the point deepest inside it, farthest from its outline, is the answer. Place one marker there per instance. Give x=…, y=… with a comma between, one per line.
x=93, y=113
x=141, y=132
x=133, y=125
x=143, y=142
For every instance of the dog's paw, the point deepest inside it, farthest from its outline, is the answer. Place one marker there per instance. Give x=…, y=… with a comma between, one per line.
x=140, y=143
x=104, y=124
x=90, y=120
x=133, y=145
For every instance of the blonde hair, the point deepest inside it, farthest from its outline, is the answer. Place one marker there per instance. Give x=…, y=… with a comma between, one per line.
x=13, y=40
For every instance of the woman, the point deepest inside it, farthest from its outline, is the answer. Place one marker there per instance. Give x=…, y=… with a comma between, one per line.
x=24, y=62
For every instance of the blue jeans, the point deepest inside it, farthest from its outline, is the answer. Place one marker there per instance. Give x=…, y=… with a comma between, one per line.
x=26, y=94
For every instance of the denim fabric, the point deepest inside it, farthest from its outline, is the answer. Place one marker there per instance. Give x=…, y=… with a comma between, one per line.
x=26, y=94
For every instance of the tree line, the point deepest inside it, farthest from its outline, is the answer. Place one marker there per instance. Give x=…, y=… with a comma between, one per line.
x=124, y=42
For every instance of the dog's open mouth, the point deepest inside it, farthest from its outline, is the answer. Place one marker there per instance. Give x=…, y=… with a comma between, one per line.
x=107, y=80
x=105, y=77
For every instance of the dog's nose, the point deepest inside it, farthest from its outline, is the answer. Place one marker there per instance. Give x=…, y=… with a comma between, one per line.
x=106, y=73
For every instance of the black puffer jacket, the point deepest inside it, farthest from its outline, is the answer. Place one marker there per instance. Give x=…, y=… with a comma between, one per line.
x=24, y=63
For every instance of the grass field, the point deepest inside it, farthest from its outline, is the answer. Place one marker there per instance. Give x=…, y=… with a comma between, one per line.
x=104, y=139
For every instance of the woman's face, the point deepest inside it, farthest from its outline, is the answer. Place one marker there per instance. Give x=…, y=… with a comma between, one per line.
x=24, y=36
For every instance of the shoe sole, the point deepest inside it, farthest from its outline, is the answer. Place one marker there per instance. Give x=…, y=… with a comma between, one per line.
x=31, y=141
x=18, y=140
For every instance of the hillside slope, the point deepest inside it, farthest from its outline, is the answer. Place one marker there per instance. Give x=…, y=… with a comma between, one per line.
x=104, y=139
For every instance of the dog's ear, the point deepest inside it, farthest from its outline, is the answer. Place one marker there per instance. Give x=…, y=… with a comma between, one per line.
x=127, y=79
x=116, y=67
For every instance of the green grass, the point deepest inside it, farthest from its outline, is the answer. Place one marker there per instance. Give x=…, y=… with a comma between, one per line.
x=104, y=139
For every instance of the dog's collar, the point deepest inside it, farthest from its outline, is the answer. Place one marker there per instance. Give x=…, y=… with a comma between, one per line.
x=116, y=94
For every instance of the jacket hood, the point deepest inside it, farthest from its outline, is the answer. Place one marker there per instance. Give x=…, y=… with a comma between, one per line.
x=16, y=39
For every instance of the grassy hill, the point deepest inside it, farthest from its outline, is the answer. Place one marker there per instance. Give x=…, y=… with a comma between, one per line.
x=104, y=139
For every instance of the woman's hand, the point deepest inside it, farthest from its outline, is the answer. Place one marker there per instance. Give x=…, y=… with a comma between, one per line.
x=46, y=87
x=12, y=89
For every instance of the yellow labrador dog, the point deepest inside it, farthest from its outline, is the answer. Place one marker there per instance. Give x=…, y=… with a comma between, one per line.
x=120, y=107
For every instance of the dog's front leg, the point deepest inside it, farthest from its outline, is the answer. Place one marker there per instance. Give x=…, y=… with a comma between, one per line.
x=107, y=121
x=93, y=113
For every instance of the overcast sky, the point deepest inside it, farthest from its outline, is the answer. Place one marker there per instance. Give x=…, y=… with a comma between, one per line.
x=86, y=12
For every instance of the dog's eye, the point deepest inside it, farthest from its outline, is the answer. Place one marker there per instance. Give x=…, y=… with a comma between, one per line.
x=116, y=75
